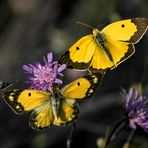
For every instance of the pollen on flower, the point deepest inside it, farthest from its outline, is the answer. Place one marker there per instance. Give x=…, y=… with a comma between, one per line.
x=44, y=76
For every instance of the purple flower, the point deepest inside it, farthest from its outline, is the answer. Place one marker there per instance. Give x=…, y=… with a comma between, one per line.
x=137, y=108
x=44, y=76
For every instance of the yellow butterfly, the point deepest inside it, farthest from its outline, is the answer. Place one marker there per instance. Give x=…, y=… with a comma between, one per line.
x=58, y=108
x=107, y=48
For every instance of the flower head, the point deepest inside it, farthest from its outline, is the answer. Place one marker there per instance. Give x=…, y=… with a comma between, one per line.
x=137, y=108
x=44, y=76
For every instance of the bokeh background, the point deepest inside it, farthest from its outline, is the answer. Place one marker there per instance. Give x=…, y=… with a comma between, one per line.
x=29, y=29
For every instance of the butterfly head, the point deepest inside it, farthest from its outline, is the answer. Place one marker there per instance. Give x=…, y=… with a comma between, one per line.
x=96, y=32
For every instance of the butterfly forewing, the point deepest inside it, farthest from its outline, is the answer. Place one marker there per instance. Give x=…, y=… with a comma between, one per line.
x=80, y=54
x=142, y=25
x=24, y=100
x=130, y=30
x=83, y=87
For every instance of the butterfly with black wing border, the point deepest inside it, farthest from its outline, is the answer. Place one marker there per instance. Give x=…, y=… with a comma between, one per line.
x=59, y=107
x=105, y=49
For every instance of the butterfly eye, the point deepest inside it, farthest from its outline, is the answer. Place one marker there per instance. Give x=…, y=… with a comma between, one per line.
x=29, y=94
x=78, y=83
x=122, y=25
x=77, y=48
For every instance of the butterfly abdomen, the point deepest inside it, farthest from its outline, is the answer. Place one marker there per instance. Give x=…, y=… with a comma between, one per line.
x=55, y=101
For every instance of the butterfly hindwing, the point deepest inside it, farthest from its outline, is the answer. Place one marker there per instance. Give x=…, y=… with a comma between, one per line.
x=120, y=51
x=68, y=112
x=83, y=87
x=128, y=54
x=99, y=61
x=24, y=100
x=42, y=117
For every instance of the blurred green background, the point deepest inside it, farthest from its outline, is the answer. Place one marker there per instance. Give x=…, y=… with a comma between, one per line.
x=29, y=29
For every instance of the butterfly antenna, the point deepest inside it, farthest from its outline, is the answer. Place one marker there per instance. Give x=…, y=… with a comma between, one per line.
x=85, y=25
x=102, y=25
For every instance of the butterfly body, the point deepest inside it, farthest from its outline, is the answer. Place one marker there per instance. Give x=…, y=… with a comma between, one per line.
x=56, y=101
x=101, y=42
x=58, y=107
x=55, y=105
x=106, y=48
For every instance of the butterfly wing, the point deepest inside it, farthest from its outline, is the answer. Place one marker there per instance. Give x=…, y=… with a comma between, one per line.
x=120, y=51
x=68, y=112
x=99, y=60
x=130, y=30
x=42, y=117
x=83, y=87
x=119, y=37
x=80, y=54
x=5, y=85
x=24, y=100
